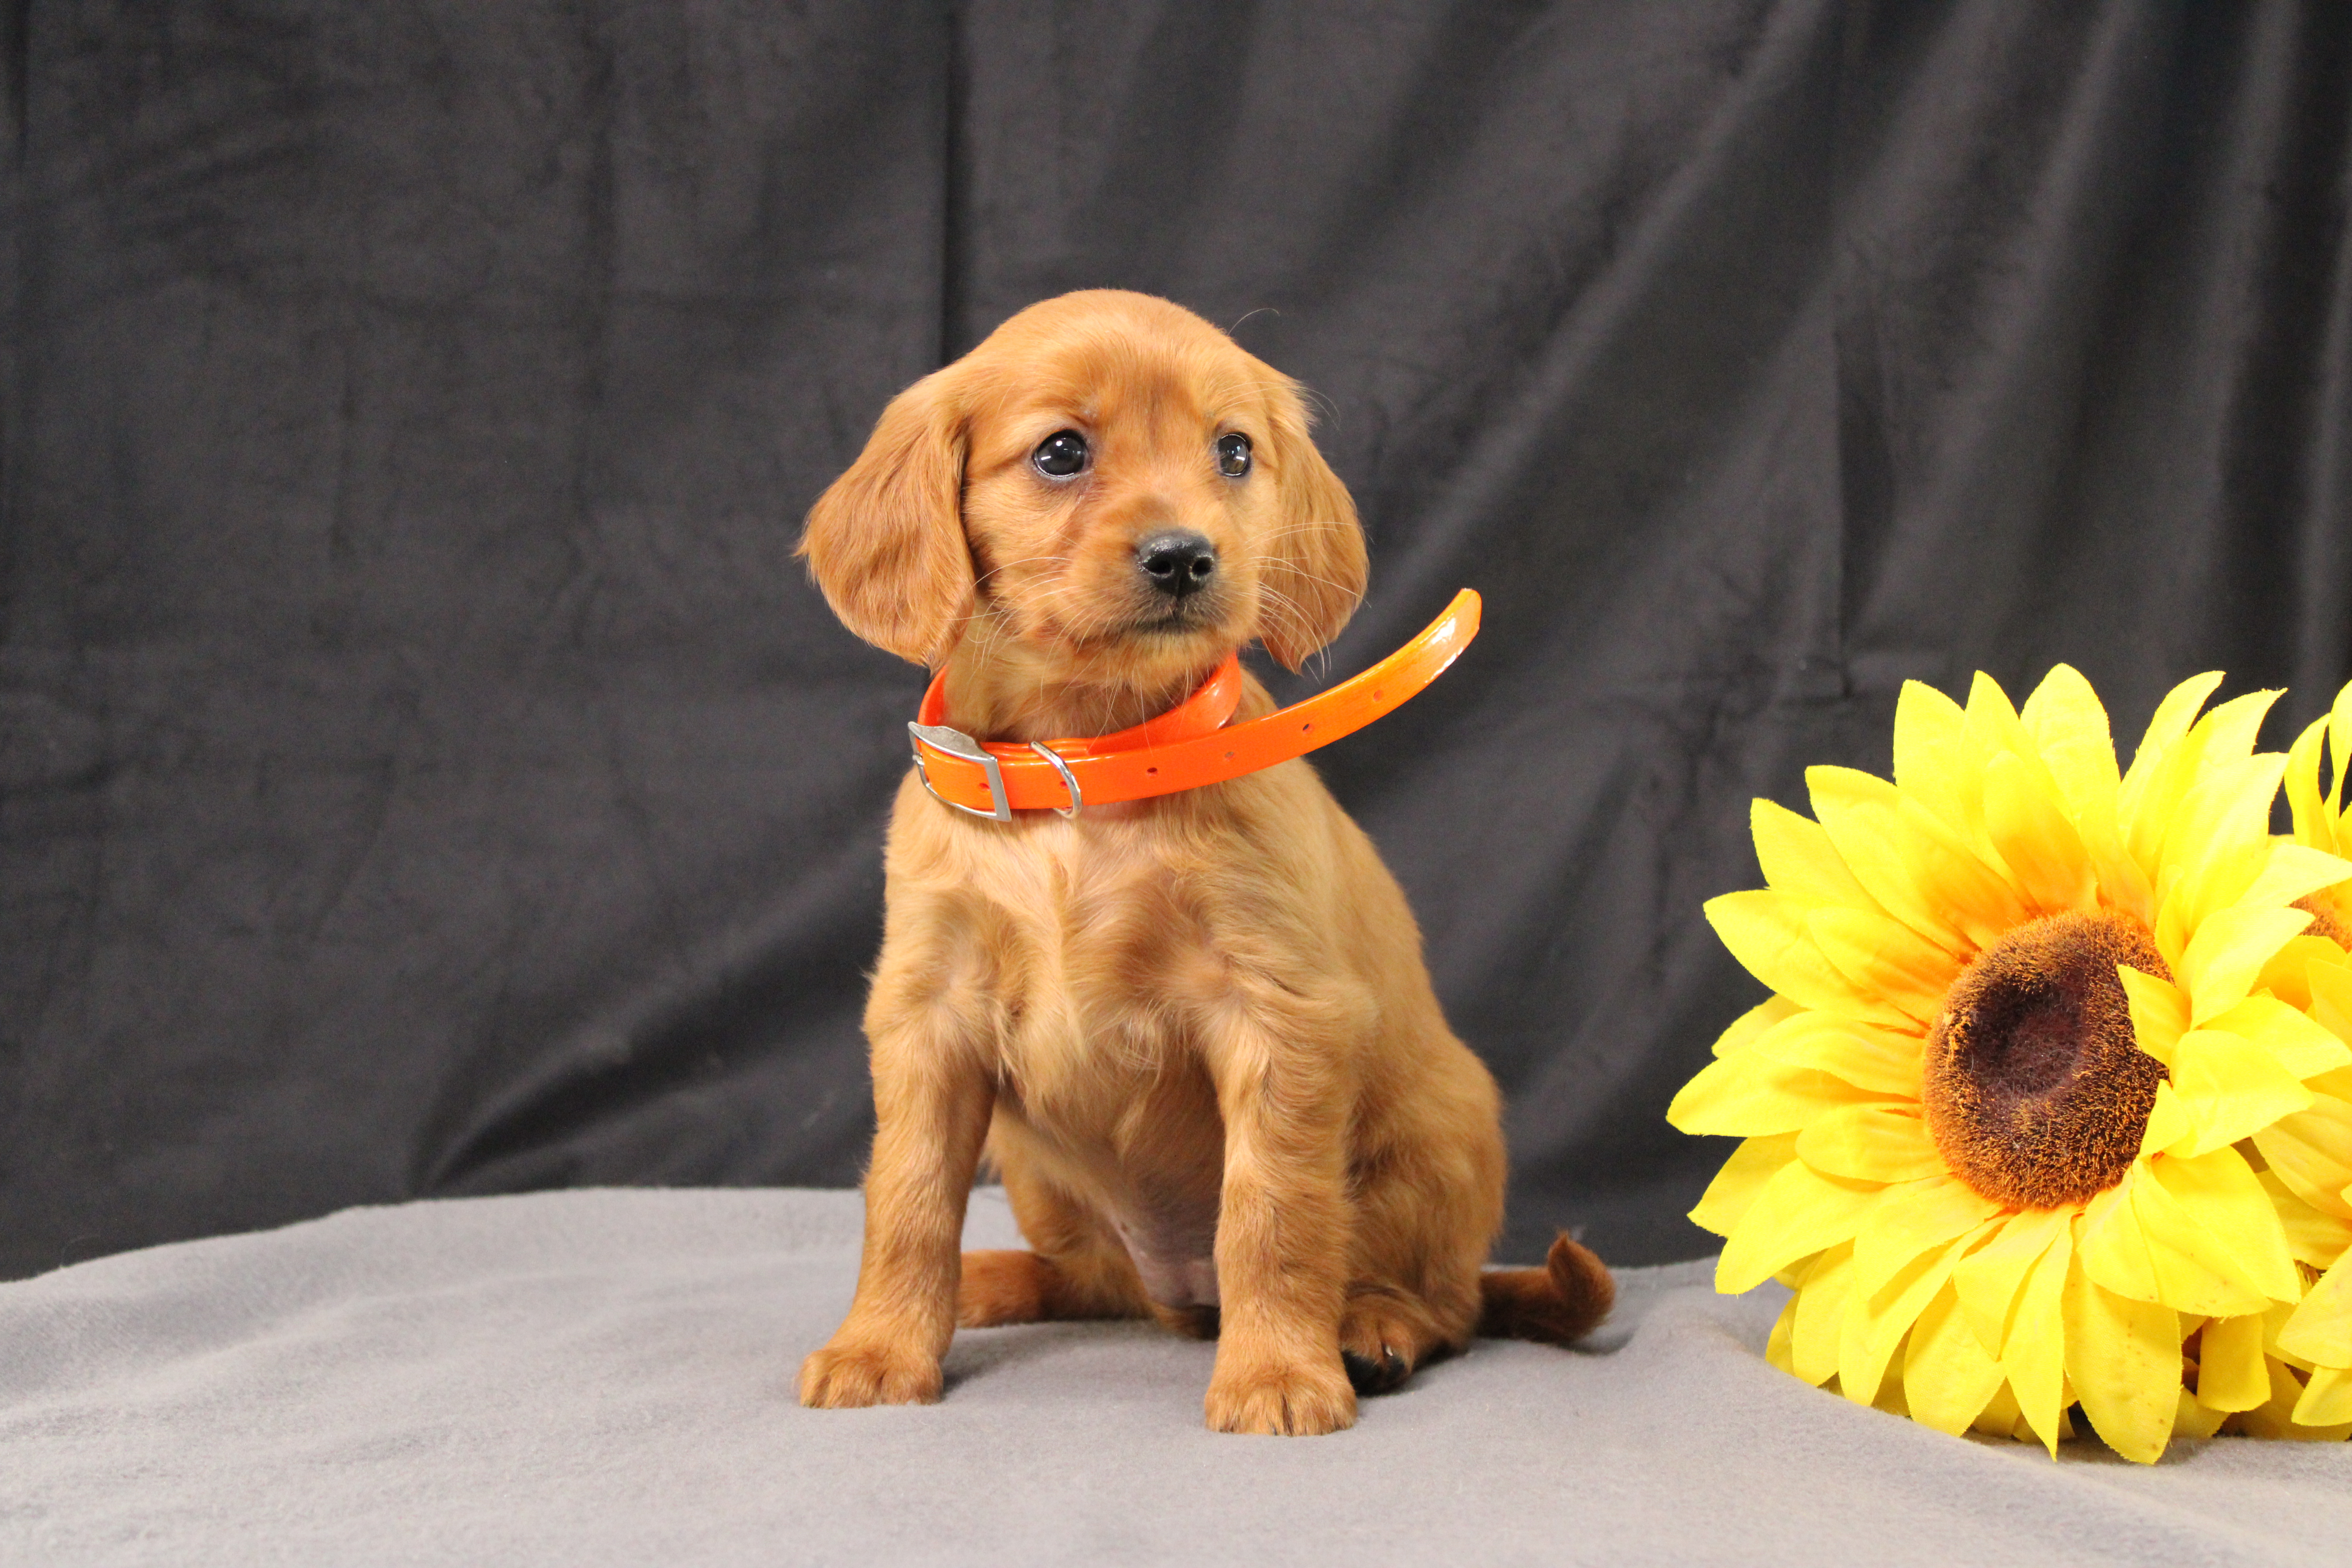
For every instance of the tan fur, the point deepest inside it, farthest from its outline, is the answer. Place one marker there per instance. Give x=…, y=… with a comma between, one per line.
x=1195, y=1033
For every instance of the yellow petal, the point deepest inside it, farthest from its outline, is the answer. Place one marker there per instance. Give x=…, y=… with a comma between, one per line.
x=1874, y=1327
x=1884, y=958
x=1766, y=933
x=2159, y=1012
x=2313, y=1234
x=2227, y=1198
x=1752, y=1022
x=2275, y=1418
x=2217, y=746
x=2231, y=1087
x=2314, y=824
x=2339, y=744
x=2110, y=1246
x=2327, y=1399
x=1879, y=1061
x=2227, y=734
x=2032, y=1354
x=1820, y=1302
x=2123, y=1358
x=2220, y=840
x=2287, y=976
x=1797, y=1213
x=2331, y=995
x=2219, y=966
x=2320, y=1332
x=2001, y=1419
x=1734, y=1189
x=2229, y=1370
x=1798, y=859
x=2069, y=727
x=2170, y=1125
x=2299, y=1045
x=1776, y=1347
x=1991, y=728
x=1751, y=1094
x=2031, y=834
x=1875, y=1143
x=1928, y=760
x=2293, y=872
x=2174, y=712
x=1947, y=1378
x=2195, y=1420
x=2214, y=825
x=2218, y=1247
x=1908, y=1221
x=1989, y=1279
x=2165, y=731
x=1918, y=868
x=2312, y=1154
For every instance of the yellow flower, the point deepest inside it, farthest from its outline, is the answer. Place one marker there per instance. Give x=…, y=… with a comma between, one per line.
x=2307, y=1156
x=1993, y=1109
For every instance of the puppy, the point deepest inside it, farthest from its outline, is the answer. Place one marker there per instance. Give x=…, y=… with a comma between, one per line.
x=1194, y=1034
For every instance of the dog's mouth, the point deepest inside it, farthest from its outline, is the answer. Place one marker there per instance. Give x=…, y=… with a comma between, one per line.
x=1190, y=616
x=1120, y=626
x=1145, y=645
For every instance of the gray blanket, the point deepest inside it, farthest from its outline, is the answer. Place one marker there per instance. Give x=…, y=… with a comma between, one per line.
x=604, y=1377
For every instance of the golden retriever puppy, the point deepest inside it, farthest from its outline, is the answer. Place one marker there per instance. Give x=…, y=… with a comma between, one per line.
x=1194, y=1033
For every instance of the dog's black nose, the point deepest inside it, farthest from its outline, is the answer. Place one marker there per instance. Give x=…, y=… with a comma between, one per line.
x=1177, y=563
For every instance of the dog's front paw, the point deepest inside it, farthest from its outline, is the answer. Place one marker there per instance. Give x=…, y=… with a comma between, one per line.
x=847, y=1375
x=1281, y=1401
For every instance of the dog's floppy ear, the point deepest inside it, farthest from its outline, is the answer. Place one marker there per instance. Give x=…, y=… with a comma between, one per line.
x=1314, y=571
x=886, y=541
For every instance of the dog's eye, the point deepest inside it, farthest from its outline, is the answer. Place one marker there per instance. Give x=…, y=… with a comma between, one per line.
x=1060, y=455
x=1234, y=455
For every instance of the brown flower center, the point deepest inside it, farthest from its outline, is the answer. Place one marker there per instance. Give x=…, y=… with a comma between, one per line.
x=2326, y=919
x=2034, y=1088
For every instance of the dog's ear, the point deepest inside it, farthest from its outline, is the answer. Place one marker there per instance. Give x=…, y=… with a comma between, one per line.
x=1314, y=571
x=886, y=541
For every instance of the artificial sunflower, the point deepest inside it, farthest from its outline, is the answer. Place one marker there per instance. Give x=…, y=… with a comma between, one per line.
x=1994, y=1106
x=2307, y=1156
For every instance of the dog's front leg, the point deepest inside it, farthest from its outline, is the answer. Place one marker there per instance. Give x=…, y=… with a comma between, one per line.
x=932, y=1098
x=1278, y=1055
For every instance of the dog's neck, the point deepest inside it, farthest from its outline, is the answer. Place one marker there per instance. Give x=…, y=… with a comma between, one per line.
x=1008, y=692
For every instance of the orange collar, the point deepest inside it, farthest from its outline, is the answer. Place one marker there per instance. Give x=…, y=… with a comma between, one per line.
x=1184, y=748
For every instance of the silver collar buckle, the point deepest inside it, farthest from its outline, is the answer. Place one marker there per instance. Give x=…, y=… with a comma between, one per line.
x=956, y=743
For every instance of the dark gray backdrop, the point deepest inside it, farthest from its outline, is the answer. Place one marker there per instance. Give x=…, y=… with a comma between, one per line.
x=423, y=770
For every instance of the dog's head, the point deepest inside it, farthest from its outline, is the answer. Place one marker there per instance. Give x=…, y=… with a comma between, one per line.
x=1109, y=488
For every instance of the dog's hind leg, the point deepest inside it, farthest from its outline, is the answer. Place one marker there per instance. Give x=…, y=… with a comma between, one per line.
x=1428, y=1187
x=1385, y=1333
x=1079, y=1270
x=1414, y=1296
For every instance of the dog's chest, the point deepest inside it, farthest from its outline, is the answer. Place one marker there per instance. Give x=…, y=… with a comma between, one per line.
x=1109, y=964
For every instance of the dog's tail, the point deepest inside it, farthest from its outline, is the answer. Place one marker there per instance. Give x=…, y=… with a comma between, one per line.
x=1560, y=1303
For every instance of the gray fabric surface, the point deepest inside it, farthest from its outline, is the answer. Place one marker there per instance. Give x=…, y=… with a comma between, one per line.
x=603, y=1377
